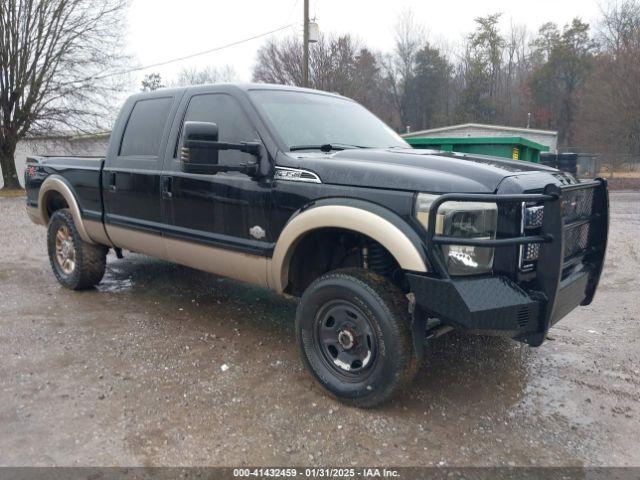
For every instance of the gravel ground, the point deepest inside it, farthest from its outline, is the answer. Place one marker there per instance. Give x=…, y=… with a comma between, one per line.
x=164, y=365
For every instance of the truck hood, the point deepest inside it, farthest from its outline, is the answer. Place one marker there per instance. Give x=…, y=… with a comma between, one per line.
x=417, y=170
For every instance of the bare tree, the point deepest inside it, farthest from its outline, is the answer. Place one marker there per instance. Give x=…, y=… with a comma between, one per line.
x=409, y=39
x=409, y=36
x=515, y=75
x=210, y=74
x=619, y=29
x=56, y=57
x=280, y=62
x=337, y=64
x=609, y=116
x=151, y=82
x=588, y=93
x=331, y=63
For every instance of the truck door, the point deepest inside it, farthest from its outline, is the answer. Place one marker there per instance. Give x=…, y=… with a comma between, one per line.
x=226, y=214
x=131, y=176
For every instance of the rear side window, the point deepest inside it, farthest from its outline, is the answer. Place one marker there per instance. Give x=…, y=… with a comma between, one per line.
x=143, y=133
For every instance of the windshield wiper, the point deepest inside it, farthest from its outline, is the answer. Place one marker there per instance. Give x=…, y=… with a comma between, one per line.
x=327, y=147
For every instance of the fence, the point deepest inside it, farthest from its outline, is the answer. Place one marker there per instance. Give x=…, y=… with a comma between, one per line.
x=621, y=170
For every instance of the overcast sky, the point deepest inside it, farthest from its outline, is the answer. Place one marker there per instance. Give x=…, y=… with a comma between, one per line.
x=160, y=30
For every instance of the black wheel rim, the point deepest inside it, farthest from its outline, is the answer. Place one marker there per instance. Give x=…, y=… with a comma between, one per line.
x=346, y=339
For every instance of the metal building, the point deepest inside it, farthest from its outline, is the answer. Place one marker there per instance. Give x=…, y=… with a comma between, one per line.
x=547, y=138
x=89, y=145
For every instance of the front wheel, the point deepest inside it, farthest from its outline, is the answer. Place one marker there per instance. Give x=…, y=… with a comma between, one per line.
x=354, y=333
x=76, y=264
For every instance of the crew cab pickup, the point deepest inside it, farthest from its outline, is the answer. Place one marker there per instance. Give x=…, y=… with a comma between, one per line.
x=310, y=195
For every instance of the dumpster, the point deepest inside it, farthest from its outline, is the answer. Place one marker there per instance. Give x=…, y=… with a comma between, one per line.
x=516, y=148
x=567, y=162
x=549, y=159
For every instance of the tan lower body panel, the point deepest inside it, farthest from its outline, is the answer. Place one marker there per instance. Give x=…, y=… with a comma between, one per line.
x=96, y=232
x=239, y=266
x=34, y=215
x=136, y=241
x=94, y=229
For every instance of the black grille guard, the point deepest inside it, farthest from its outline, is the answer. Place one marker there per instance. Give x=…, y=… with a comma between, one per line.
x=562, y=281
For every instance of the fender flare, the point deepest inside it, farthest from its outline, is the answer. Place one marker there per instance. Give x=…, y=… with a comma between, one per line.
x=349, y=217
x=56, y=183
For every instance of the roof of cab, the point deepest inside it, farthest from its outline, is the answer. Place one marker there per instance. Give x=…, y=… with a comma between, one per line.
x=245, y=87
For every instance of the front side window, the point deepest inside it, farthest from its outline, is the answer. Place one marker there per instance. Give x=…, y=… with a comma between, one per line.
x=143, y=133
x=233, y=125
x=313, y=119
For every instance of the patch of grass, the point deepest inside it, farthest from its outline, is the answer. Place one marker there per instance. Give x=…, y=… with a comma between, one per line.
x=12, y=193
x=619, y=174
x=623, y=183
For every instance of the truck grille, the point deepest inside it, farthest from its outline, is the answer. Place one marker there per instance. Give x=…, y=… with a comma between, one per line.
x=576, y=240
x=577, y=215
x=577, y=204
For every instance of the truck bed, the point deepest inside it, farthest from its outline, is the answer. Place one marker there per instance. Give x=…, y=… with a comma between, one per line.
x=83, y=175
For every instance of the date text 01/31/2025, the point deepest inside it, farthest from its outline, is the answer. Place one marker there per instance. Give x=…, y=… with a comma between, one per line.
x=316, y=472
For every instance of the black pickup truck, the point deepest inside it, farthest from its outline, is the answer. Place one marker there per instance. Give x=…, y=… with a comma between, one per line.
x=309, y=194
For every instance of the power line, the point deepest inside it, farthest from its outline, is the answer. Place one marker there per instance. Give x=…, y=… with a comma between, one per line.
x=193, y=55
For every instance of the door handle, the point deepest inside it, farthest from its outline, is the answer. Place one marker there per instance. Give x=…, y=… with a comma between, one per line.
x=111, y=177
x=167, y=184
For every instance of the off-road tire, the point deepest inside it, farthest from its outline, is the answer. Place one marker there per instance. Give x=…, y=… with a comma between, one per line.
x=386, y=310
x=90, y=260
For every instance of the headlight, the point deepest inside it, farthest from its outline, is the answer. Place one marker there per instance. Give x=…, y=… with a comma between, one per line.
x=530, y=223
x=466, y=220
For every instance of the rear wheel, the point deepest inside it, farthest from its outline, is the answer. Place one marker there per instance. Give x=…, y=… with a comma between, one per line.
x=76, y=264
x=354, y=333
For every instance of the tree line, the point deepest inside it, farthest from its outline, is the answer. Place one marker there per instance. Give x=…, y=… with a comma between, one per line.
x=188, y=76
x=59, y=69
x=62, y=68
x=579, y=79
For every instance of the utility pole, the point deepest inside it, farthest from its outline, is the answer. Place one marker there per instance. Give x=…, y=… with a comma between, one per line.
x=305, y=46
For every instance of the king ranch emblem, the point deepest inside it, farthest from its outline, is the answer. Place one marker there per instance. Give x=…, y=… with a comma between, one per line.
x=257, y=232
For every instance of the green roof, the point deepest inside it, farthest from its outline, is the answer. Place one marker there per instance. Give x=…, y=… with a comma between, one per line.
x=477, y=141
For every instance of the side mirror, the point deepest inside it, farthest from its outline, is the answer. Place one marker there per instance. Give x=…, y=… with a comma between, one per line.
x=200, y=147
x=198, y=153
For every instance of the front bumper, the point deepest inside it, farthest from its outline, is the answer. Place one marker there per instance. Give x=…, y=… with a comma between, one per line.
x=572, y=246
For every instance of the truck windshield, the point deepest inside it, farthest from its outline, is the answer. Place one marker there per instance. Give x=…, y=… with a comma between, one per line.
x=310, y=121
